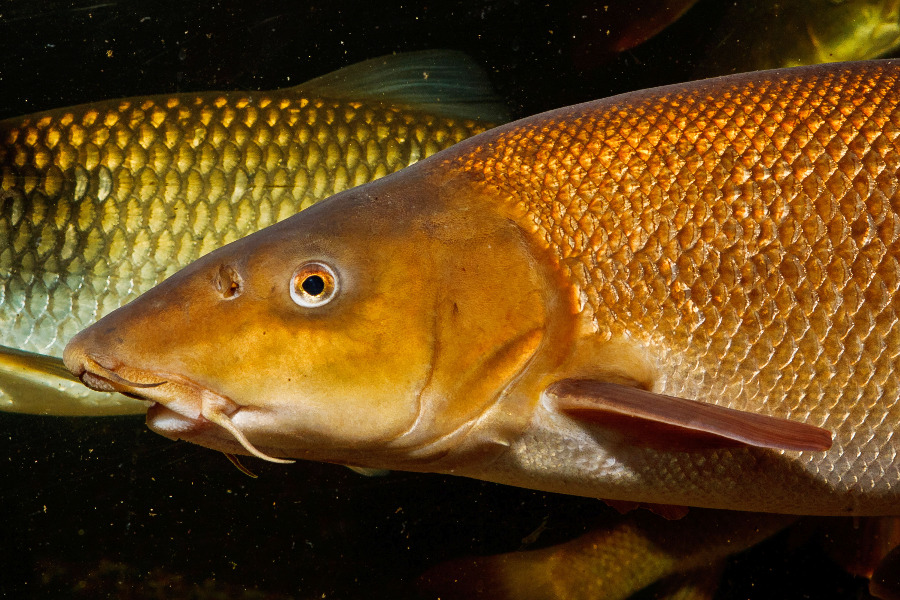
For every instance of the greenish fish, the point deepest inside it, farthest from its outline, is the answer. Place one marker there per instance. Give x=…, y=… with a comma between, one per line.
x=791, y=33
x=100, y=202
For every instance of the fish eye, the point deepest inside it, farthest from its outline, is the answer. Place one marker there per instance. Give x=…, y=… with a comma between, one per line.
x=313, y=284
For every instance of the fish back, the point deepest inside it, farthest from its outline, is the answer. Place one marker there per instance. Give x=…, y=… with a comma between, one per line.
x=100, y=202
x=744, y=233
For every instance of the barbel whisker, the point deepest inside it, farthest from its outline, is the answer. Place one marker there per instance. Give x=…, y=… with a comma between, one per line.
x=119, y=379
x=222, y=420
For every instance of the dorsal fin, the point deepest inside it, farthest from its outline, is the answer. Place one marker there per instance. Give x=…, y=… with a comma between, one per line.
x=678, y=420
x=442, y=82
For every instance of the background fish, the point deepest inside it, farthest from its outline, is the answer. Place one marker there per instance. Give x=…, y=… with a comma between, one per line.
x=769, y=35
x=680, y=296
x=614, y=560
x=102, y=201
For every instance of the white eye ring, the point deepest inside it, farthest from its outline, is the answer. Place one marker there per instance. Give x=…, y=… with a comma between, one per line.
x=313, y=285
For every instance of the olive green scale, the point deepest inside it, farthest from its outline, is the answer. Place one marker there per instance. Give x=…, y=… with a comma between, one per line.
x=100, y=202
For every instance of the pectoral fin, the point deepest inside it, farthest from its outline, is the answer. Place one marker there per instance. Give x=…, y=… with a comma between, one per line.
x=668, y=422
x=40, y=384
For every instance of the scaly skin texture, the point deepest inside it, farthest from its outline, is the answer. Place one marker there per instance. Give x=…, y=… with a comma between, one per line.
x=731, y=242
x=744, y=235
x=100, y=202
x=613, y=561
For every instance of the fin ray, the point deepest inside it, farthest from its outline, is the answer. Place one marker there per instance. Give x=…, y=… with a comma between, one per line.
x=443, y=82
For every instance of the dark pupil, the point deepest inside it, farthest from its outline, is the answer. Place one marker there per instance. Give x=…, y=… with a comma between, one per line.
x=313, y=285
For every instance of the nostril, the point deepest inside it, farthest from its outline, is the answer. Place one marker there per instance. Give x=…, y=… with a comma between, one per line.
x=228, y=282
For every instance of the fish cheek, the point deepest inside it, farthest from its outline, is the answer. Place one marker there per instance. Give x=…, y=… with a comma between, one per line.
x=490, y=318
x=348, y=374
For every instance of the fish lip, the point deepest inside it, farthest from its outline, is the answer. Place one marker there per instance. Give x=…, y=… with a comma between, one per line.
x=104, y=378
x=177, y=394
x=173, y=424
x=179, y=408
x=110, y=381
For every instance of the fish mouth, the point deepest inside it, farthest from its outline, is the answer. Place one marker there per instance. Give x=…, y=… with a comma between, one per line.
x=110, y=381
x=179, y=409
x=107, y=375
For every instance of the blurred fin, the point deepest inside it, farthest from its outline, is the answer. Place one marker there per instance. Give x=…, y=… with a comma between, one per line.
x=669, y=512
x=443, y=82
x=666, y=422
x=240, y=467
x=613, y=561
x=369, y=472
x=860, y=545
x=699, y=584
x=41, y=385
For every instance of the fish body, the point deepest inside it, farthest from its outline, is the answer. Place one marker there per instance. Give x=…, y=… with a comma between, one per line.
x=803, y=32
x=100, y=202
x=614, y=560
x=685, y=295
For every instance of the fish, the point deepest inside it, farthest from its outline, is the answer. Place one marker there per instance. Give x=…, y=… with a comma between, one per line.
x=769, y=35
x=683, y=558
x=102, y=201
x=613, y=561
x=681, y=296
x=600, y=32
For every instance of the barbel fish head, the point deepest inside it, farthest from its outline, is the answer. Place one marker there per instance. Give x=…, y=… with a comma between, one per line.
x=368, y=329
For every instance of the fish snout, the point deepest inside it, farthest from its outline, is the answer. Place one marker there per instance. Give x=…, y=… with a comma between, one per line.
x=81, y=353
x=88, y=370
x=75, y=358
x=97, y=371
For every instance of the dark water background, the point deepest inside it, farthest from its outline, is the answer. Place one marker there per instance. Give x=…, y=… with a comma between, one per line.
x=76, y=492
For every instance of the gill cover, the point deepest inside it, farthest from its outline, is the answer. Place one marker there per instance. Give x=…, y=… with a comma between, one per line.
x=385, y=321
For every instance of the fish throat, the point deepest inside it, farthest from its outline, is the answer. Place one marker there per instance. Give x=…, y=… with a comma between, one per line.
x=215, y=408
